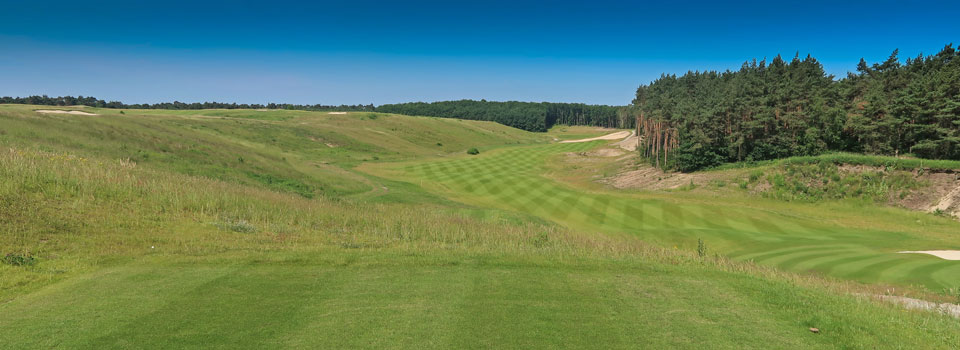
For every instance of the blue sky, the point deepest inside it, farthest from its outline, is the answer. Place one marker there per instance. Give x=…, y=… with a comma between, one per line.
x=348, y=52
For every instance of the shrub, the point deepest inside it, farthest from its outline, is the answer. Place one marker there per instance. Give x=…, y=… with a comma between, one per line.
x=688, y=187
x=17, y=259
x=236, y=225
x=473, y=151
x=541, y=240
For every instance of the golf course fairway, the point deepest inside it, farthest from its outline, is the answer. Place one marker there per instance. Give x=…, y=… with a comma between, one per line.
x=841, y=239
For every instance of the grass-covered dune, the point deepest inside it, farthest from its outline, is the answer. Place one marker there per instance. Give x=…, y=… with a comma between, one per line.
x=855, y=159
x=145, y=253
x=309, y=153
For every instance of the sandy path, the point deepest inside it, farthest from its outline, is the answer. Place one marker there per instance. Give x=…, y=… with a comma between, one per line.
x=337, y=113
x=942, y=254
x=613, y=136
x=57, y=111
x=630, y=143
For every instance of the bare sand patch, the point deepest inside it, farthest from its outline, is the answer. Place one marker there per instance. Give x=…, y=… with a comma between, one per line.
x=59, y=111
x=942, y=254
x=630, y=143
x=650, y=178
x=949, y=309
x=613, y=136
x=604, y=152
x=337, y=113
x=594, y=157
x=949, y=203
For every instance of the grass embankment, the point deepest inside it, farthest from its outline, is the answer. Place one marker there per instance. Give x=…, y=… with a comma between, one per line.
x=148, y=255
x=309, y=153
x=918, y=184
x=854, y=159
x=825, y=180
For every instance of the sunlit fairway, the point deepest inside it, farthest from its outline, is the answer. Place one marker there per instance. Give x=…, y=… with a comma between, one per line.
x=848, y=240
x=285, y=229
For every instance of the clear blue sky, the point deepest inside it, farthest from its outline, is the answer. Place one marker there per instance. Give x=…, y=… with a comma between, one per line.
x=348, y=52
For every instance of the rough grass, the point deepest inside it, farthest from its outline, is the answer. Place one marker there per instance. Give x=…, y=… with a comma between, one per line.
x=854, y=159
x=309, y=153
x=825, y=180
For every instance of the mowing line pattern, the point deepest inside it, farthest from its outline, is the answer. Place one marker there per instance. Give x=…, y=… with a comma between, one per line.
x=512, y=179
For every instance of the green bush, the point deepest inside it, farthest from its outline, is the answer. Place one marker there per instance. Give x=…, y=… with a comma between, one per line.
x=688, y=187
x=473, y=151
x=17, y=259
x=236, y=225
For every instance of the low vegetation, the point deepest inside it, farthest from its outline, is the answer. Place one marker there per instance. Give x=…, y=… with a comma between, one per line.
x=826, y=180
x=886, y=162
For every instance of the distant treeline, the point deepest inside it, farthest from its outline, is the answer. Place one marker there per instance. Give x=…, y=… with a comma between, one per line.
x=530, y=116
x=94, y=102
x=779, y=109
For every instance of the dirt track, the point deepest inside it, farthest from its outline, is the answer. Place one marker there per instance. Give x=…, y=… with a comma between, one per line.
x=614, y=136
x=58, y=111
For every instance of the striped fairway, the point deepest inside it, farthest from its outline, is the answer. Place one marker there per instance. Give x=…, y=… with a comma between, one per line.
x=512, y=179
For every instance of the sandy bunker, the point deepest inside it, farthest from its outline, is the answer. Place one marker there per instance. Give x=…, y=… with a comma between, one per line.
x=58, y=111
x=942, y=254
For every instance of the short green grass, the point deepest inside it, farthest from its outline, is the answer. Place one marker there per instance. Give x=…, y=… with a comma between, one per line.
x=847, y=239
x=169, y=251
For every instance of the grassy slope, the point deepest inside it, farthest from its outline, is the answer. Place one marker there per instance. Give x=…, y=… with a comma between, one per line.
x=149, y=255
x=854, y=159
x=304, y=152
